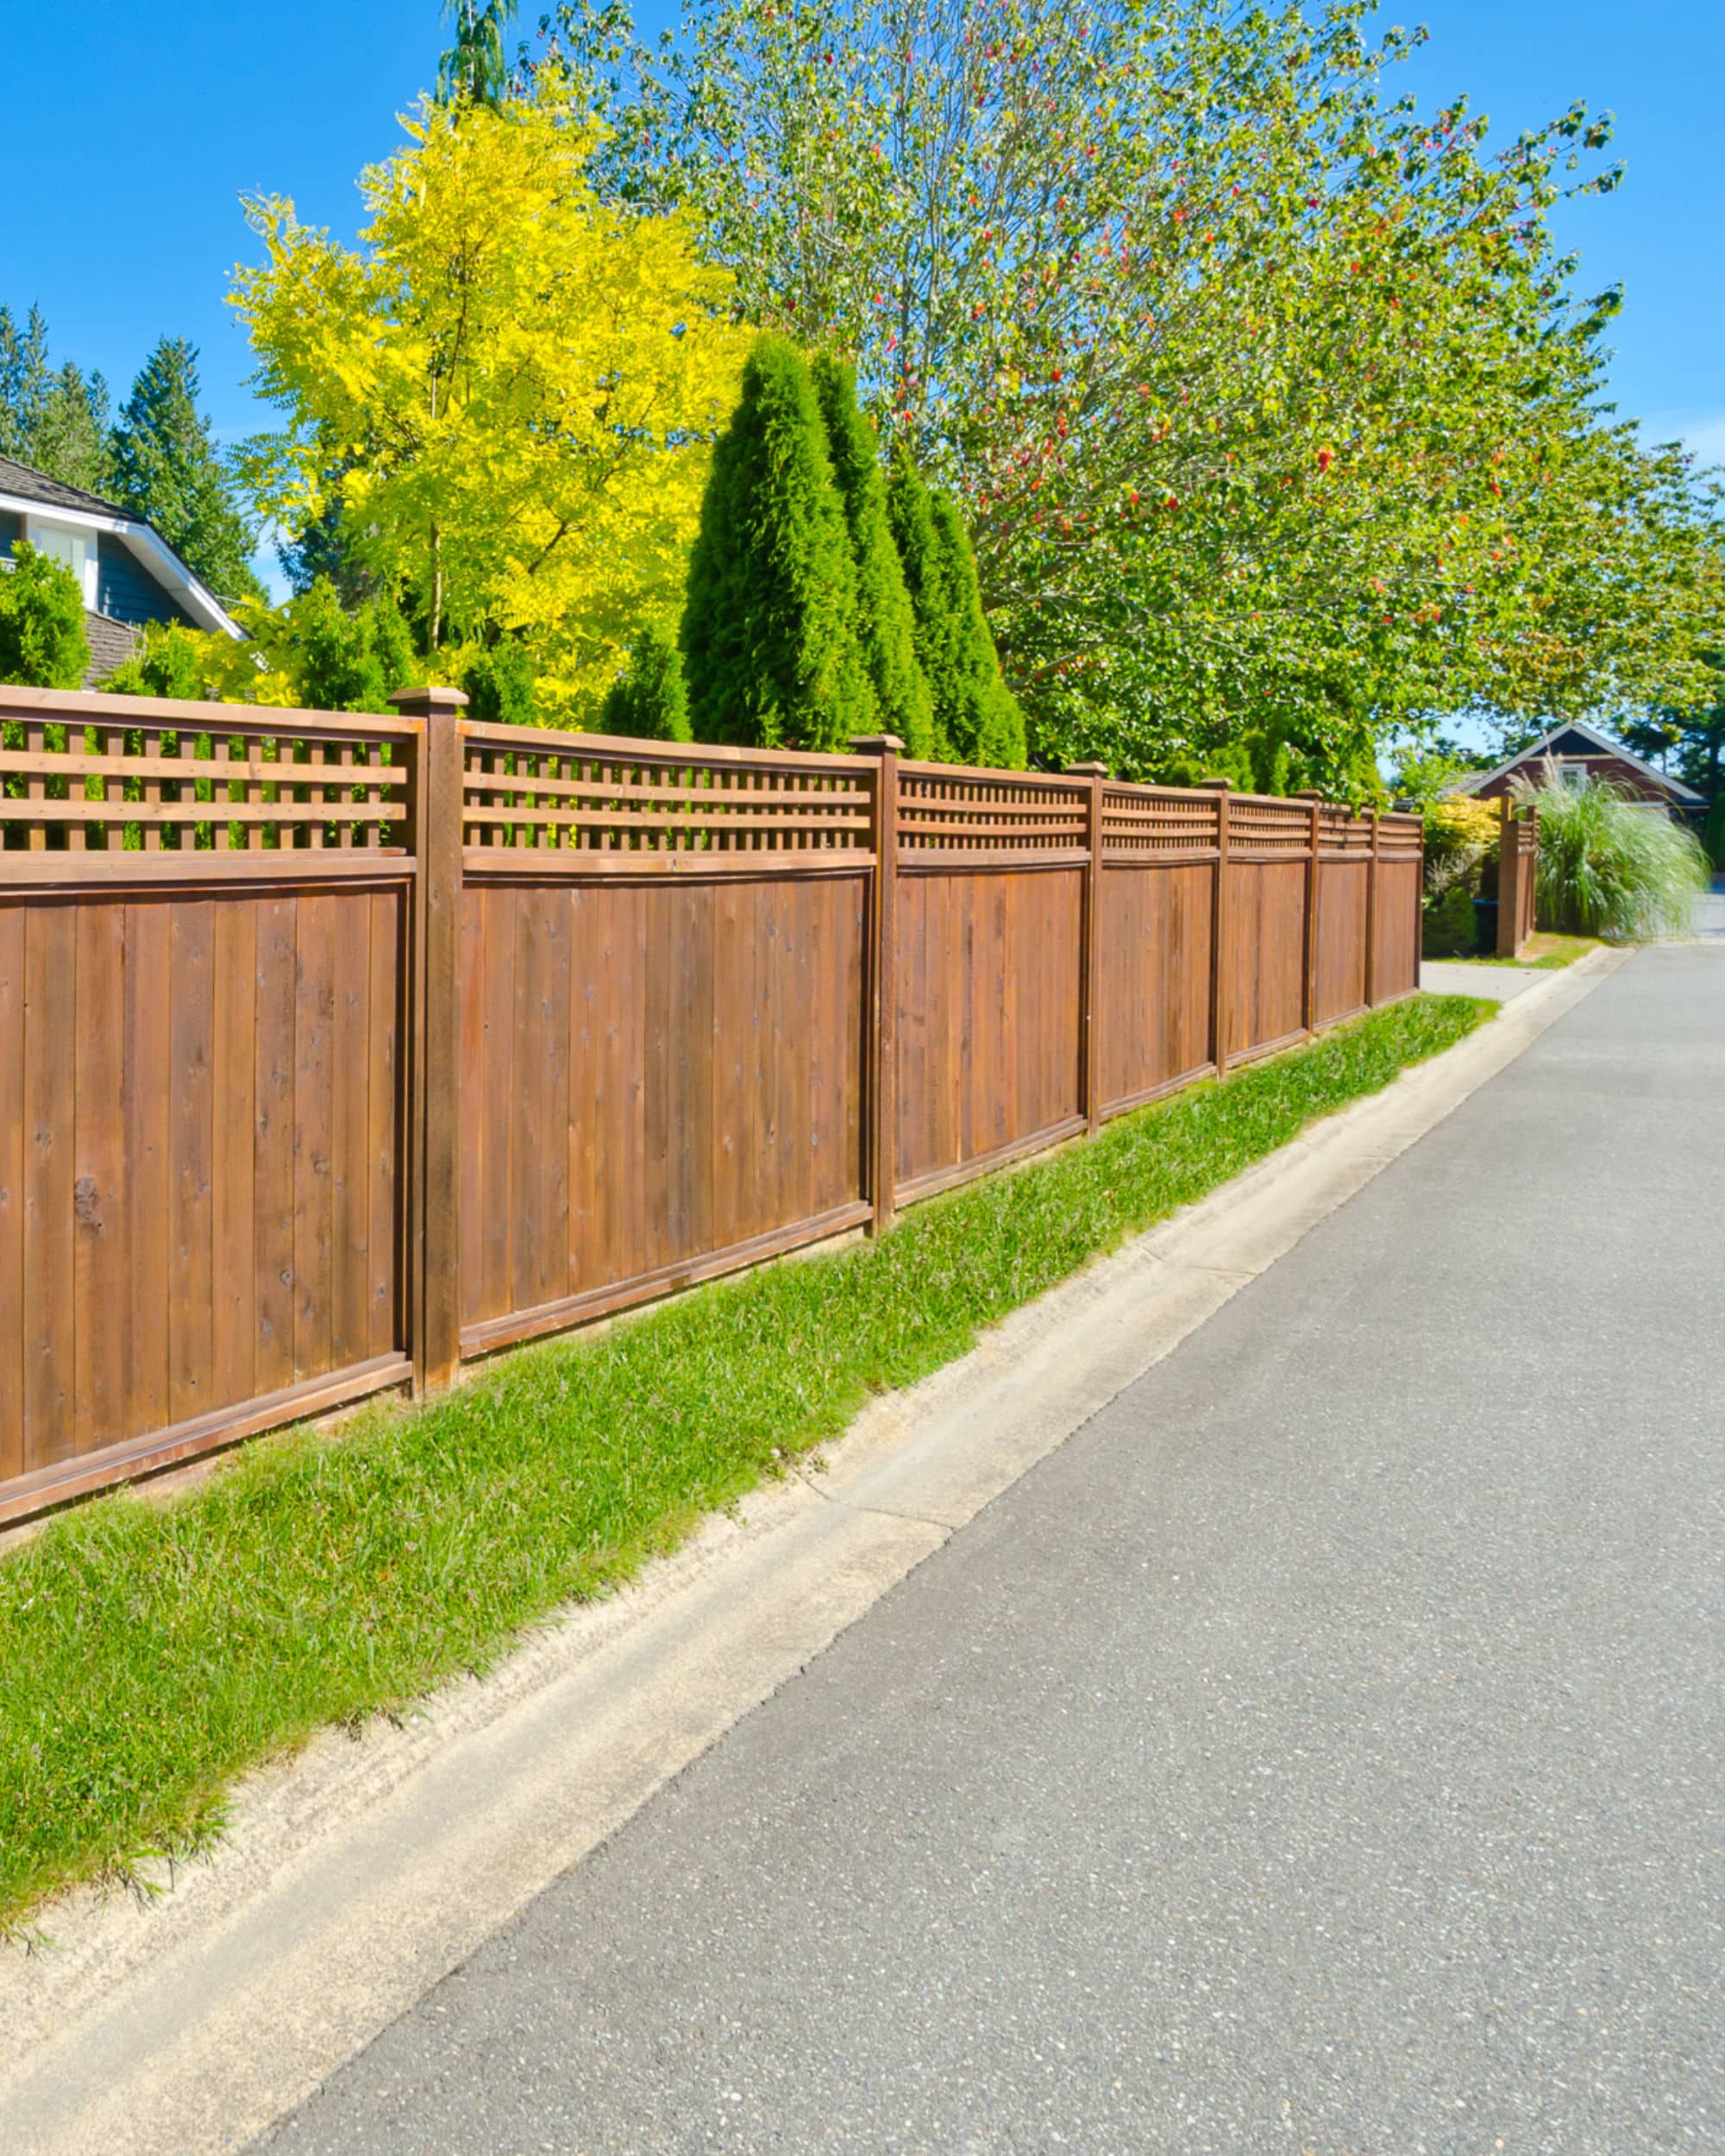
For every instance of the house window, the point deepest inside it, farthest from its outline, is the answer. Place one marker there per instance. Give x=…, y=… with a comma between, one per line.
x=71, y=548
x=1573, y=773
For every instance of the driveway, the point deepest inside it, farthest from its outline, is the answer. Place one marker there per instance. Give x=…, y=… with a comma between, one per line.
x=1320, y=1752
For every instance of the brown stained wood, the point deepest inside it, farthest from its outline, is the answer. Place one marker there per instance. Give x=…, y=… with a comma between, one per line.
x=97, y=1064
x=234, y=1194
x=1397, y=923
x=529, y=1226
x=1339, y=982
x=277, y=932
x=314, y=1139
x=50, y=1020
x=475, y=1080
x=1156, y=937
x=735, y=1168
x=12, y=1244
x=191, y=1159
x=349, y=1161
x=792, y=1056
x=493, y=1112
x=384, y=1124
x=149, y=1101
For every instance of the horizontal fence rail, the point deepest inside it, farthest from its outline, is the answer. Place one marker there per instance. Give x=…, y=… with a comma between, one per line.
x=338, y=1051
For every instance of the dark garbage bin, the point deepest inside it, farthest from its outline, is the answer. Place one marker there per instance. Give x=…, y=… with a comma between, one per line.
x=1485, y=928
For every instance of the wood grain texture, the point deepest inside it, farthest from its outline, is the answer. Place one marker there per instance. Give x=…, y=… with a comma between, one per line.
x=1339, y=988
x=193, y=1133
x=988, y=1014
x=1263, y=953
x=663, y=1072
x=1155, y=966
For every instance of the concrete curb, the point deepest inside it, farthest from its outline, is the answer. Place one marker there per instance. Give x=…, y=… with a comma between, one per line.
x=358, y=1874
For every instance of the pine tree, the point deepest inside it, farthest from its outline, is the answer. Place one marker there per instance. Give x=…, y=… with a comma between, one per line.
x=649, y=702
x=886, y=620
x=42, y=639
x=770, y=650
x=70, y=438
x=500, y=682
x=976, y=718
x=167, y=470
x=25, y=378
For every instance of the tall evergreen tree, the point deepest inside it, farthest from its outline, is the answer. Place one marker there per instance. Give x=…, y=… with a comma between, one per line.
x=976, y=718
x=770, y=648
x=25, y=378
x=167, y=470
x=70, y=441
x=886, y=623
x=476, y=65
x=649, y=702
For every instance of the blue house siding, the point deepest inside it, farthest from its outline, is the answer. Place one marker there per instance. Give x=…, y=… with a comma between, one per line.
x=126, y=592
x=11, y=524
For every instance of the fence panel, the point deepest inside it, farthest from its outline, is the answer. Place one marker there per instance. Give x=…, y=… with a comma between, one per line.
x=663, y=978
x=1264, y=925
x=1156, y=924
x=201, y=1102
x=333, y=1050
x=989, y=928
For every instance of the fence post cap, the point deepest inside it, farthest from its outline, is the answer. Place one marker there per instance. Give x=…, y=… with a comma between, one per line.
x=1085, y=771
x=1307, y=793
x=427, y=697
x=876, y=745
x=1218, y=786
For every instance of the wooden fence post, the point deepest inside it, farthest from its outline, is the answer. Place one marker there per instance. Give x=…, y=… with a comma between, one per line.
x=1219, y=999
x=435, y=1039
x=880, y=1017
x=1090, y=948
x=1508, y=878
x=1371, y=920
x=1309, y=972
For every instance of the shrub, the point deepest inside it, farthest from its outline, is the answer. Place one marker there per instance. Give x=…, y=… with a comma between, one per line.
x=166, y=662
x=1609, y=866
x=347, y=662
x=976, y=718
x=886, y=621
x=42, y=639
x=499, y=681
x=650, y=702
x=770, y=650
x=1461, y=836
x=1450, y=925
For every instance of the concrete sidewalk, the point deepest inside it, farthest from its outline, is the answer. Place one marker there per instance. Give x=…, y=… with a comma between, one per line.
x=1320, y=1751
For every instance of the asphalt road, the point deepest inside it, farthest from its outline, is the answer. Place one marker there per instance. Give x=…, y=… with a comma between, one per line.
x=1321, y=1753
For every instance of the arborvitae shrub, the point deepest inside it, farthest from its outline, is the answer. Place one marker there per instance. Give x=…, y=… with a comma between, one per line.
x=42, y=639
x=649, y=702
x=500, y=681
x=976, y=718
x=886, y=621
x=164, y=663
x=771, y=655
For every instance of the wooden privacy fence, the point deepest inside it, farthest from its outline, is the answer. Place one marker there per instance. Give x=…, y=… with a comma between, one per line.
x=1518, y=875
x=335, y=1051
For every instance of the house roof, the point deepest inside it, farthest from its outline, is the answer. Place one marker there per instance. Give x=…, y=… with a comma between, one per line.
x=24, y=488
x=1602, y=745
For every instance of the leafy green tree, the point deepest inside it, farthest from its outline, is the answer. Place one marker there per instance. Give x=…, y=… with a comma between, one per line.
x=886, y=621
x=649, y=702
x=168, y=662
x=770, y=648
x=976, y=719
x=167, y=470
x=1270, y=398
x=1692, y=741
x=42, y=639
x=476, y=66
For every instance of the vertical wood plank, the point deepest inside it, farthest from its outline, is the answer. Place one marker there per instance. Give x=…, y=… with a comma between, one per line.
x=494, y=1107
x=149, y=1100
x=1221, y=931
x=383, y=1126
x=99, y=1258
x=881, y=995
x=349, y=1160
x=277, y=933
x=1090, y=999
x=191, y=1160
x=1371, y=991
x=313, y=1135
x=50, y=1022
x=474, y=1081
x=12, y=1053
x=529, y=1226
x=235, y=1192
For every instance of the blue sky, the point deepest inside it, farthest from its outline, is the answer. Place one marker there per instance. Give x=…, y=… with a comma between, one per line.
x=133, y=130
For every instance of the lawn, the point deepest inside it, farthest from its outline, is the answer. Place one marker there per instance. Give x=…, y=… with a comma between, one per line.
x=150, y=1653
x=1548, y=952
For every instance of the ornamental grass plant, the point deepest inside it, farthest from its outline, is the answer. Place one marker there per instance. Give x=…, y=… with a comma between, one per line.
x=1612, y=866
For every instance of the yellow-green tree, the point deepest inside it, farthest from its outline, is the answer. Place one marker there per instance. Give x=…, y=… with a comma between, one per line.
x=510, y=388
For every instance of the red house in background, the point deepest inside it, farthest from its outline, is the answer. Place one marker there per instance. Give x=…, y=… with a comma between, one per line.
x=1581, y=752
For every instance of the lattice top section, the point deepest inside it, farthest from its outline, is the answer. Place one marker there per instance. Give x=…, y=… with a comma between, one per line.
x=1268, y=830
x=137, y=774
x=1342, y=835
x=945, y=811
x=1154, y=822
x=1400, y=838
x=631, y=803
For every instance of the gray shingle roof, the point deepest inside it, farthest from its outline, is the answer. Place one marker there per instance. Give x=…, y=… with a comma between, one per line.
x=36, y=487
x=110, y=642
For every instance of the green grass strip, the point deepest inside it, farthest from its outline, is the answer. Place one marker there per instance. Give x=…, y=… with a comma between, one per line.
x=150, y=1653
